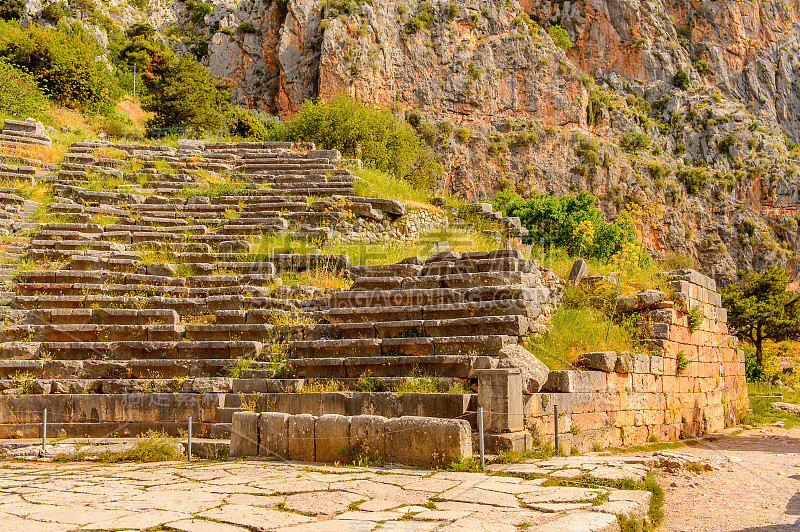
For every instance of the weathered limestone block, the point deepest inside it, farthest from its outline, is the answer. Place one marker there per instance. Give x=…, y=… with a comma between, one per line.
x=534, y=372
x=273, y=432
x=600, y=360
x=568, y=381
x=427, y=442
x=331, y=435
x=244, y=434
x=578, y=272
x=500, y=395
x=369, y=432
x=301, y=438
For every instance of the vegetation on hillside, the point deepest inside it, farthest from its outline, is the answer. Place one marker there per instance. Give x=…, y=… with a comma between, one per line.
x=372, y=134
x=63, y=62
x=20, y=95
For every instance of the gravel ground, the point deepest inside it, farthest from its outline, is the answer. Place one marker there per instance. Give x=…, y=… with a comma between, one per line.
x=756, y=489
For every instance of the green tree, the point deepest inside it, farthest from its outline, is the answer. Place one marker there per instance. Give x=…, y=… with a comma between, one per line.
x=182, y=94
x=763, y=309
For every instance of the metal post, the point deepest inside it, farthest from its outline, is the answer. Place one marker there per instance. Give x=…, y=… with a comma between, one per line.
x=44, y=431
x=480, y=437
x=189, y=446
x=555, y=413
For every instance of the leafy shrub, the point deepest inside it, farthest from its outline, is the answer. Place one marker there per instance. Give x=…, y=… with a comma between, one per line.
x=566, y=220
x=413, y=25
x=63, y=62
x=445, y=128
x=355, y=454
x=139, y=4
x=451, y=10
x=693, y=179
x=246, y=27
x=201, y=11
x=20, y=96
x=463, y=134
x=12, y=9
x=560, y=37
x=245, y=123
x=55, y=11
x=681, y=80
x=702, y=66
x=370, y=133
x=681, y=362
x=633, y=141
x=695, y=318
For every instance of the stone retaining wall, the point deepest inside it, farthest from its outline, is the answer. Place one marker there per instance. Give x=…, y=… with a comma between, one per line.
x=412, y=441
x=695, y=385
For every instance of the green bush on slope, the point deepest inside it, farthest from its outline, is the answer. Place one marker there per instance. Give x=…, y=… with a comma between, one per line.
x=63, y=62
x=372, y=134
x=20, y=96
x=571, y=221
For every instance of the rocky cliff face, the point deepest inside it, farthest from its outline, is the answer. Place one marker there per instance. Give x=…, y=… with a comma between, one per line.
x=707, y=169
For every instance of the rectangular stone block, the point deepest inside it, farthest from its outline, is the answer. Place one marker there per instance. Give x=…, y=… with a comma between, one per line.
x=500, y=395
x=301, y=438
x=427, y=442
x=331, y=437
x=244, y=434
x=273, y=432
x=369, y=433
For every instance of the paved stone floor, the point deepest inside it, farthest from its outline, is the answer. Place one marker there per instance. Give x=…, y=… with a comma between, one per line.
x=254, y=495
x=756, y=487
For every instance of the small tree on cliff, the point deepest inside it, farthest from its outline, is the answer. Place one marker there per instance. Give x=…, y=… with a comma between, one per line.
x=763, y=309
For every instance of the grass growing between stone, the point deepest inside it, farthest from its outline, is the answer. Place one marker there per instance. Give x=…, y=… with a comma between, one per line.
x=655, y=513
x=356, y=455
x=383, y=185
x=762, y=395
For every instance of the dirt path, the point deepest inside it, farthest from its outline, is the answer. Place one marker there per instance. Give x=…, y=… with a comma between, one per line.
x=756, y=489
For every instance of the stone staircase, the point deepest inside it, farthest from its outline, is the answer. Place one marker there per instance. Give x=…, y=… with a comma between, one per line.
x=143, y=302
x=24, y=133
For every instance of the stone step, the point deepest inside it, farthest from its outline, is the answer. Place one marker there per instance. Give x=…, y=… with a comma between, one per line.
x=433, y=312
x=119, y=386
x=456, y=280
x=458, y=366
x=196, y=306
x=138, y=349
x=118, y=369
x=483, y=345
x=101, y=316
x=261, y=287
x=433, y=296
x=24, y=140
x=84, y=333
x=468, y=326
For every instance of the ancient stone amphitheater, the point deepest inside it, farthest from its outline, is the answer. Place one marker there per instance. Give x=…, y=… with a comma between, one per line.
x=140, y=295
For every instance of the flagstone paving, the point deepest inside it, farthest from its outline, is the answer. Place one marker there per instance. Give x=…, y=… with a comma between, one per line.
x=256, y=495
